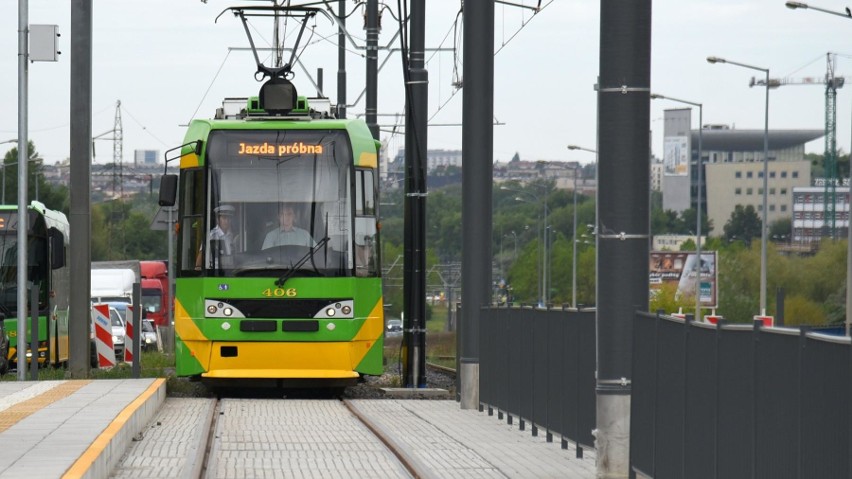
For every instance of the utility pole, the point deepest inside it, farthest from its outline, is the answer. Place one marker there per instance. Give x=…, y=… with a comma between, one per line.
x=416, y=102
x=23, y=154
x=118, y=152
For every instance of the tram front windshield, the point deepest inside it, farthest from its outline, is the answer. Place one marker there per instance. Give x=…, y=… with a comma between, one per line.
x=278, y=202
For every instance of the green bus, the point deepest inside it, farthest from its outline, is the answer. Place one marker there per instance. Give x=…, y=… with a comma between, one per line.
x=47, y=241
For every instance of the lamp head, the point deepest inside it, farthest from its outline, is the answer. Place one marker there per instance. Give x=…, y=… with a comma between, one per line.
x=654, y=96
x=795, y=5
x=715, y=60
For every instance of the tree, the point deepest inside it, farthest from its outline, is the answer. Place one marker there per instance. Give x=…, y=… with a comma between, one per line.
x=781, y=230
x=666, y=298
x=663, y=222
x=744, y=224
x=688, y=219
x=54, y=197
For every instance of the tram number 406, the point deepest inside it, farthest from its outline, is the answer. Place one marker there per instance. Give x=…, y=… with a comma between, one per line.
x=280, y=292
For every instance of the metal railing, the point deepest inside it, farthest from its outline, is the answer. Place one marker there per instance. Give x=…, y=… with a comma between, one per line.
x=739, y=401
x=538, y=366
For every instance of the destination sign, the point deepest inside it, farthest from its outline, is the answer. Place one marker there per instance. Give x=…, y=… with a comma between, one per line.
x=8, y=221
x=295, y=148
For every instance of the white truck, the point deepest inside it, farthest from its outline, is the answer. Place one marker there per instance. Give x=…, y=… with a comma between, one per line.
x=113, y=281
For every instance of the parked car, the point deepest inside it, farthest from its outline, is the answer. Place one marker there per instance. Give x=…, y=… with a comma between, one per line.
x=118, y=333
x=394, y=327
x=148, y=337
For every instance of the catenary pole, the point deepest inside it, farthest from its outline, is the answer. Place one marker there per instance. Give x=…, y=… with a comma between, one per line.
x=341, y=59
x=623, y=218
x=372, y=67
x=478, y=153
x=417, y=79
x=81, y=154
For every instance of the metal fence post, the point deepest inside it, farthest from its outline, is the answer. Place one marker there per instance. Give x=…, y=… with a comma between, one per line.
x=686, y=324
x=654, y=389
x=33, y=333
x=754, y=380
x=717, y=400
x=848, y=403
x=803, y=331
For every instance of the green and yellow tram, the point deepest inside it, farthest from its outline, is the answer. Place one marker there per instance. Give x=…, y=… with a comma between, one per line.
x=278, y=271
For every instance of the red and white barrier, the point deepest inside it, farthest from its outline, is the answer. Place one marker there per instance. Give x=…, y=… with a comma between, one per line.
x=103, y=336
x=129, y=336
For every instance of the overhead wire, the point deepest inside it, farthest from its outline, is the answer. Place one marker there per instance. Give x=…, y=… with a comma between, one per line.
x=204, y=96
x=144, y=128
x=523, y=25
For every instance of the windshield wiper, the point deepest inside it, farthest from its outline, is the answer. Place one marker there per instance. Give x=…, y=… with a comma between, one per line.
x=310, y=254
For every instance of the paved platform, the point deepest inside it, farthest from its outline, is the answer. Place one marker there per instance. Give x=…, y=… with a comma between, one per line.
x=455, y=443
x=129, y=429
x=72, y=429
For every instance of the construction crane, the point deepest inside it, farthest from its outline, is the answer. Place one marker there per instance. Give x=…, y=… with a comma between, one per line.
x=832, y=83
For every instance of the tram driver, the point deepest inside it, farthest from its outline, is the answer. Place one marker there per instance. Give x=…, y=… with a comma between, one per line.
x=287, y=233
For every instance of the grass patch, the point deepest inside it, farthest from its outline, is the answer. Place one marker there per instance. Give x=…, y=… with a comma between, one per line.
x=440, y=348
x=154, y=365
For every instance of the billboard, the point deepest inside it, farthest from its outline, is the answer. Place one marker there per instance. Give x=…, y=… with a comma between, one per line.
x=679, y=267
x=676, y=156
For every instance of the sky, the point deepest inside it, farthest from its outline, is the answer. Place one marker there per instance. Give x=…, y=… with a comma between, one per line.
x=169, y=61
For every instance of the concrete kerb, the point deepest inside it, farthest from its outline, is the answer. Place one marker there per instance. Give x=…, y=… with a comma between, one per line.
x=107, y=449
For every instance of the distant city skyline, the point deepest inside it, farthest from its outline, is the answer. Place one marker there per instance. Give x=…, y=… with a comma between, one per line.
x=169, y=62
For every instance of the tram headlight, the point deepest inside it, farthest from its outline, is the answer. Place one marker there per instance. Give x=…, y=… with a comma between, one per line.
x=346, y=310
x=222, y=309
x=330, y=312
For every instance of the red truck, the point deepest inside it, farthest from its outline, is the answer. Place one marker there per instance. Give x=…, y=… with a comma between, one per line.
x=156, y=300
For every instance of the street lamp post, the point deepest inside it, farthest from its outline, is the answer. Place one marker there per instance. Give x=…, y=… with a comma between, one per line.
x=574, y=252
x=763, y=229
x=654, y=96
x=543, y=280
x=847, y=15
x=805, y=6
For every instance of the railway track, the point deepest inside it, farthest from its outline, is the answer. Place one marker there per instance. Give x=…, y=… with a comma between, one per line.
x=299, y=438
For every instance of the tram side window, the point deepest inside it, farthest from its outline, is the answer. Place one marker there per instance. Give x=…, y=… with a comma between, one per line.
x=366, y=244
x=192, y=204
x=37, y=268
